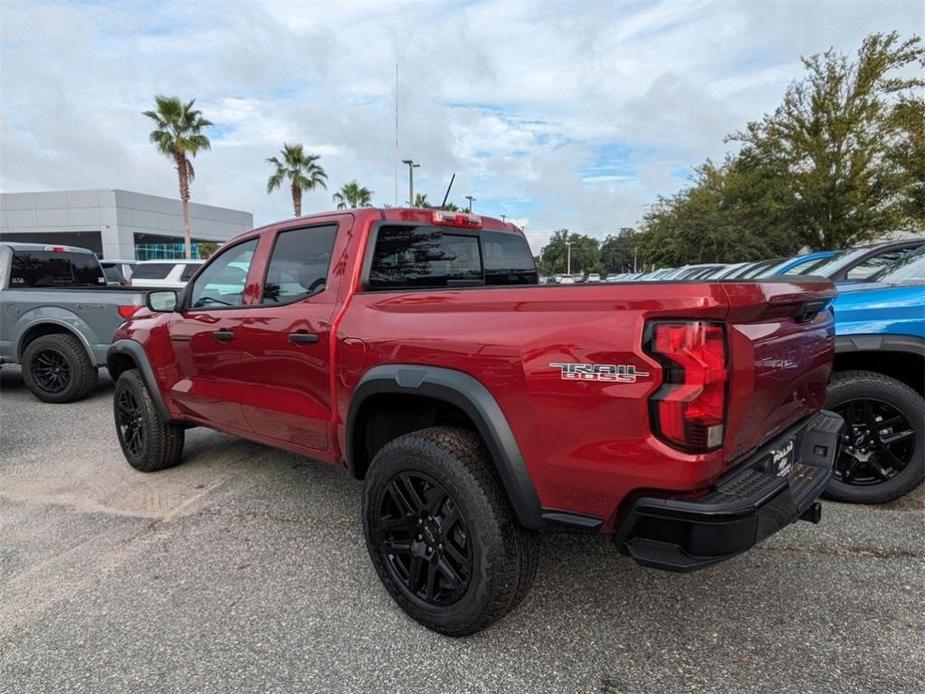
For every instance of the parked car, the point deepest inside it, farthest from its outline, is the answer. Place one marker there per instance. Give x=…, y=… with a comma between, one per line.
x=173, y=274
x=859, y=264
x=118, y=272
x=701, y=271
x=413, y=347
x=57, y=317
x=725, y=271
x=878, y=384
x=798, y=265
x=594, y=277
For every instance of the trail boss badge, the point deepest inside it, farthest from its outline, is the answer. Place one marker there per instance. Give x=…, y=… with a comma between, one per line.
x=614, y=373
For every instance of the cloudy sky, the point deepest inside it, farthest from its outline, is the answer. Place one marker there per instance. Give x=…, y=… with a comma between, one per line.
x=570, y=114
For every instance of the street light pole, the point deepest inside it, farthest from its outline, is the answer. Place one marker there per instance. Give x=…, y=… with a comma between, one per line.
x=568, y=250
x=471, y=200
x=411, y=167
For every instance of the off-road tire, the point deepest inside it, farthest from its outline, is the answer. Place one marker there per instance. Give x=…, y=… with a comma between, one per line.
x=504, y=555
x=858, y=385
x=80, y=374
x=161, y=444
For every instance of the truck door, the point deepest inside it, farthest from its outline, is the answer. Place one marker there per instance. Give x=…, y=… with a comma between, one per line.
x=288, y=336
x=208, y=343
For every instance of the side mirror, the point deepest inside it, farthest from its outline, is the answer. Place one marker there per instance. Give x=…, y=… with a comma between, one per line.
x=163, y=301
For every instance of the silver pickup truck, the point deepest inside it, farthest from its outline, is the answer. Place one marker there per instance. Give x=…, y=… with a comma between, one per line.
x=57, y=317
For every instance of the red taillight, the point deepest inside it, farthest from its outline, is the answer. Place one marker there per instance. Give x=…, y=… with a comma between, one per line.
x=55, y=249
x=689, y=410
x=128, y=311
x=456, y=219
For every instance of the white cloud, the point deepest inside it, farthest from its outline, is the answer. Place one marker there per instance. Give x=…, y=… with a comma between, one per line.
x=524, y=101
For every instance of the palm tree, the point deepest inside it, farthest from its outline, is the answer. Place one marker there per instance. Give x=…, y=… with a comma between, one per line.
x=179, y=136
x=352, y=195
x=420, y=200
x=300, y=170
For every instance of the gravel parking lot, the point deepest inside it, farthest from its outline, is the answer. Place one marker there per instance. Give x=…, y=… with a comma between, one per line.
x=245, y=569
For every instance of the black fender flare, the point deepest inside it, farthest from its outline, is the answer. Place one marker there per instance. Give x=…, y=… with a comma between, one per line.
x=470, y=396
x=873, y=343
x=137, y=354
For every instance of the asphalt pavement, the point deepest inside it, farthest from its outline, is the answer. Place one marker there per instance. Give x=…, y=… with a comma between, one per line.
x=244, y=569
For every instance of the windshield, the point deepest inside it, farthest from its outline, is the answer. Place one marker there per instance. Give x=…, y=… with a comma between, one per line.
x=908, y=269
x=831, y=265
x=810, y=268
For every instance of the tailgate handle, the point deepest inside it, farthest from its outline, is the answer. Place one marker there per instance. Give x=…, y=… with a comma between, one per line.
x=303, y=338
x=810, y=310
x=223, y=335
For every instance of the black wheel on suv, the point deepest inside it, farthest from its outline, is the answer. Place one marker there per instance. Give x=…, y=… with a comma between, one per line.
x=441, y=533
x=56, y=368
x=882, y=454
x=148, y=443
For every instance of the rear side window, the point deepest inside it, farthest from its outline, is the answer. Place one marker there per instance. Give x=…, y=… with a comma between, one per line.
x=50, y=269
x=299, y=264
x=430, y=257
x=152, y=271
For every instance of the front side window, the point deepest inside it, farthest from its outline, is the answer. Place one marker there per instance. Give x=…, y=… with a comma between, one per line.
x=222, y=282
x=299, y=264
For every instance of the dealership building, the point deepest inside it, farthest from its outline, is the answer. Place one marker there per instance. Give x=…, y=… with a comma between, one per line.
x=116, y=224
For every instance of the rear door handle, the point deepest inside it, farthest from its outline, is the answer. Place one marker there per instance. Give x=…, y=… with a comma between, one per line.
x=223, y=335
x=303, y=338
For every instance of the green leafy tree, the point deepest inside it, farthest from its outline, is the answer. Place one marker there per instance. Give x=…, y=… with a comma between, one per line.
x=178, y=135
x=300, y=170
x=618, y=252
x=729, y=215
x=207, y=248
x=585, y=253
x=452, y=207
x=845, y=140
x=907, y=154
x=352, y=195
x=420, y=200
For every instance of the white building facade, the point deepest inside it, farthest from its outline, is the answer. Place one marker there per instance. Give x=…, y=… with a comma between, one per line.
x=115, y=224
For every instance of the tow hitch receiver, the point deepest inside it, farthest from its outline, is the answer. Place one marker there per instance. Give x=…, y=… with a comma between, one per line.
x=813, y=514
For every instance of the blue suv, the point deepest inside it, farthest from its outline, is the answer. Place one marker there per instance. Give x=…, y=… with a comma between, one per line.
x=878, y=384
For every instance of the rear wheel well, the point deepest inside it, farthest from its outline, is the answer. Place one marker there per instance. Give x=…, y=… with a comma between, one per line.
x=41, y=330
x=118, y=364
x=905, y=367
x=386, y=416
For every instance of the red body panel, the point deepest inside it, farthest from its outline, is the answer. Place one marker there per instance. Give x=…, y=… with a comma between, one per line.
x=588, y=445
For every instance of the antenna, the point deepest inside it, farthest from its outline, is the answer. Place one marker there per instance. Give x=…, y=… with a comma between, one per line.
x=448, y=188
x=396, y=135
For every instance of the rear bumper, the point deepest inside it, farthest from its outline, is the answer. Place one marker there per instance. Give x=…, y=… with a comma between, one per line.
x=750, y=503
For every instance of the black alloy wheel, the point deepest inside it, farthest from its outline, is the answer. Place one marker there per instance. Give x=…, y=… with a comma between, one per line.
x=877, y=444
x=424, y=539
x=50, y=371
x=130, y=423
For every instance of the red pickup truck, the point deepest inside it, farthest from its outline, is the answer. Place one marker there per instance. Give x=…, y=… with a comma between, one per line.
x=416, y=348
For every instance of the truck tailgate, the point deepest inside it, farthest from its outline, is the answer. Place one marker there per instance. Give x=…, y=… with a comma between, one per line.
x=781, y=342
